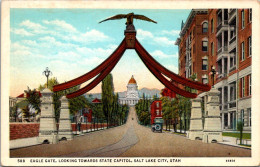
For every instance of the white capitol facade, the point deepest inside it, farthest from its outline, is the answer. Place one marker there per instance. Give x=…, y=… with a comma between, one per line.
x=132, y=96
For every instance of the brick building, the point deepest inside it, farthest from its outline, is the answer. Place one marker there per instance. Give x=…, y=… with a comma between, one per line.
x=220, y=38
x=155, y=110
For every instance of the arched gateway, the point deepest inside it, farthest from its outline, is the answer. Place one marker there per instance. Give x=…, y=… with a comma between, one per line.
x=130, y=42
x=212, y=127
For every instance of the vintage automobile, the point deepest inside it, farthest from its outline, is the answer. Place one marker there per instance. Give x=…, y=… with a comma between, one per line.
x=157, y=125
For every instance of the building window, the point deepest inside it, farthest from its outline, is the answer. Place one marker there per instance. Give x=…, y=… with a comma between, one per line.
x=212, y=48
x=249, y=117
x=212, y=25
x=250, y=46
x=242, y=51
x=190, y=38
x=204, y=80
x=157, y=104
x=242, y=116
x=205, y=27
x=157, y=112
x=204, y=64
x=204, y=45
x=243, y=86
x=243, y=18
x=249, y=85
x=250, y=16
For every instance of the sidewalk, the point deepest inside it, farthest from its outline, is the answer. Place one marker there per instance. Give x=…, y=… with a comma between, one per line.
x=31, y=141
x=232, y=141
x=24, y=142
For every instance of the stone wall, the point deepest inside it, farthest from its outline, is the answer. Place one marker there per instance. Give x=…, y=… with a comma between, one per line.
x=26, y=130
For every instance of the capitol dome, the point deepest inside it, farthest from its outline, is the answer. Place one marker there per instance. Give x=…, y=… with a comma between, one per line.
x=132, y=80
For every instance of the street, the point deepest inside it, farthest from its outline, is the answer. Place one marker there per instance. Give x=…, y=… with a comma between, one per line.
x=131, y=140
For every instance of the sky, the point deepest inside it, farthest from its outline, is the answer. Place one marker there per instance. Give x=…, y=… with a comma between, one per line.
x=71, y=42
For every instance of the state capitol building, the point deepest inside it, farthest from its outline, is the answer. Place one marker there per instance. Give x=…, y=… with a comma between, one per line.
x=131, y=96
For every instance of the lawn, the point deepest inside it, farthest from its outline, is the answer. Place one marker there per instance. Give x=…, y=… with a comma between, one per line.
x=237, y=135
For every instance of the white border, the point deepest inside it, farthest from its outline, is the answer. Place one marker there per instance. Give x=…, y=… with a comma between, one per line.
x=5, y=34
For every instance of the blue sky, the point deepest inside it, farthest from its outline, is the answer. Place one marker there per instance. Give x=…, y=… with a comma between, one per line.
x=71, y=42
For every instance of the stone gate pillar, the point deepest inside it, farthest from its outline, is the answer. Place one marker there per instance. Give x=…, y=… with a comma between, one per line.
x=196, y=128
x=65, y=130
x=48, y=129
x=212, y=126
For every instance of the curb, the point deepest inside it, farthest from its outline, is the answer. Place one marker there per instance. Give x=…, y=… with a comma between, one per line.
x=249, y=148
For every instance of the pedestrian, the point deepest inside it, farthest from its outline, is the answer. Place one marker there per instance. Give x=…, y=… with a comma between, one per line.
x=79, y=120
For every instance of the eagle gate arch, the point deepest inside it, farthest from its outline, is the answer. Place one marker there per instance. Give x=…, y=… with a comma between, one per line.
x=101, y=71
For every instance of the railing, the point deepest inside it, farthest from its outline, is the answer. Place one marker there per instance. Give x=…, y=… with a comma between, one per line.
x=219, y=26
x=231, y=12
x=222, y=24
x=232, y=40
x=232, y=104
x=225, y=48
x=221, y=75
x=220, y=107
x=219, y=50
x=232, y=68
x=225, y=106
x=222, y=49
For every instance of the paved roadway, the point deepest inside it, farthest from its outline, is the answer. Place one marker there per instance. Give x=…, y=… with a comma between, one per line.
x=131, y=140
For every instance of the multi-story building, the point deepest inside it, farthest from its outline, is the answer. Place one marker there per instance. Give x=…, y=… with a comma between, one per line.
x=222, y=39
x=193, y=46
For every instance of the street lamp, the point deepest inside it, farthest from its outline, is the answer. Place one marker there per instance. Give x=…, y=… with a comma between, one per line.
x=213, y=73
x=47, y=73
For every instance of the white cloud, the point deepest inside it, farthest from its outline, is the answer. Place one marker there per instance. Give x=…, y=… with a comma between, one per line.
x=32, y=25
x=29, y=42
x=49, y=42
x=67, y=56
x=87, y=37
x=25, y=53
x=94, y=52
x=164, y=41
x=142, y=34
x=91, y=61
x=61, y=24
x=173, y=68
x=21, y=53
x=160, y=54
x=172, y=32
x=17, y=46
x=48, y=39
x=19, y=49
x=21, y=31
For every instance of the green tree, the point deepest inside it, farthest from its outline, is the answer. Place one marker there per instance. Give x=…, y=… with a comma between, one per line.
x=170, y=109
x=33, y=99
x=240, y=129
x=75, y=104
x=14, y=112
x=107, y=96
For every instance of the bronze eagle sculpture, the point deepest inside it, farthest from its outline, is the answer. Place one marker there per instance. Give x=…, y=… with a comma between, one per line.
x=129, y=18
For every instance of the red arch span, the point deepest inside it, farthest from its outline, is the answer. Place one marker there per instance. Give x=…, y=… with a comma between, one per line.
x=130, y=42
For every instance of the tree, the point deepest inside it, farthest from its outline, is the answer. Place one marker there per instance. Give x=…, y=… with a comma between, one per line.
x=142, y=110
x=75, y=104
x=107, y=96
x=240, y=129
x=193, y=77
x=33, y=99
x=170, y=109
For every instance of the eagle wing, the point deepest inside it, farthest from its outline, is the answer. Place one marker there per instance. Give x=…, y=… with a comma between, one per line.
x=119, y=16
x=142, y=17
